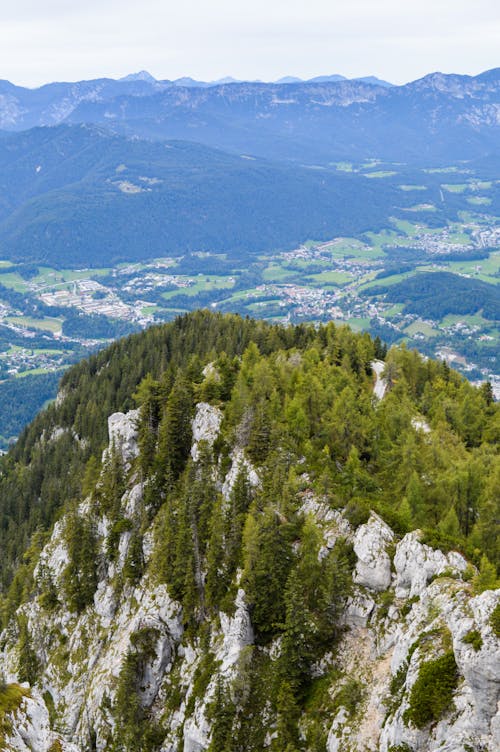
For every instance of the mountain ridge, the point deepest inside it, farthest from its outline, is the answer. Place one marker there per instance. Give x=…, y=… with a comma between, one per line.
x=224, y=576
x=354, y=119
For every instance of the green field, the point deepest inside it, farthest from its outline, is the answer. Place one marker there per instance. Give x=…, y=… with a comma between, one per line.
x=421, y=207
x=413, y=187
x=344, y=166
x=487, y=270
x=455, y=187
x=276, y=272
x=203, y=283
x=385, y=281
x=481, y=185
x=14, y=281
x=421, y=327
x=358, y=324
x=394, y=310
x=471, y=320
x=47, y=324
x=450, y=169
x=36, y=371
x=353, y=248
x=479, y=200
x=380, y=174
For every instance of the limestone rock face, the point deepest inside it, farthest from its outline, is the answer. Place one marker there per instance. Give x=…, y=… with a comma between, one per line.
x=239, y=461
x=447, y=610
x=205, y=426
x=380, y=386
x=358, y=609
x=30, y=729
x=416, y=563
x=392, y=621
x=237, y=633
x=122, y=431
x=480, y=668
x=373, y=568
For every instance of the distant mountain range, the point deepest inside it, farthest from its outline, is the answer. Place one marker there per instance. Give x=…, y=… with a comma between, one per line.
x=187, y=81
x=435, y=120
x=138, y=168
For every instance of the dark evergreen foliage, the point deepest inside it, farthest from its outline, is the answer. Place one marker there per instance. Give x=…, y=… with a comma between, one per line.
x=298, y=402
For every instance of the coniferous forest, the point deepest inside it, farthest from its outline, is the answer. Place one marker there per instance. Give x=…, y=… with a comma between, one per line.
x=298, y=402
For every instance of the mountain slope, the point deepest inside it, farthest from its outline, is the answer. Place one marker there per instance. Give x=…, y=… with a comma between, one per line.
x=73, y=193
x=241, y=570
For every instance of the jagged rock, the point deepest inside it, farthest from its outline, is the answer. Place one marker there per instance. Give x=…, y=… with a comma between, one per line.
x=420, y=424
x=415, y=564
x=82, y=655
x=333, y=523
x=132, y=501
x=239, y=461
x=54, y=557
x=237, y=633
x=380, y=386
x=480, y=668
x=31, y=729
x=205, y=426
x=358, y=610
x=211, y=372
x=122, y=431
x=334, y=735
x=196, y=731
x=373, y=568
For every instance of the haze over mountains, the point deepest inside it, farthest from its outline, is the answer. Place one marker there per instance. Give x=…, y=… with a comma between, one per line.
x=68, y=190
x=433, y=120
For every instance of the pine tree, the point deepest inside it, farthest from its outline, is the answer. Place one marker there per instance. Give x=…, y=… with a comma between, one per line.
x=28, y=663
x=267, y=560
x=217, y=578
x=175, y=435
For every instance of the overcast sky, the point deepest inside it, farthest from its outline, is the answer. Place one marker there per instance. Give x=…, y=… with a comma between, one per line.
x=399, y=40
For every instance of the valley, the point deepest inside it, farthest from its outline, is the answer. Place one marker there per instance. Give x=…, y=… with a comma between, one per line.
x=284, y=204
x=51, y=317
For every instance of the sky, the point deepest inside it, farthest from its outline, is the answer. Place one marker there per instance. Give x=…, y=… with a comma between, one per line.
x=398, y=40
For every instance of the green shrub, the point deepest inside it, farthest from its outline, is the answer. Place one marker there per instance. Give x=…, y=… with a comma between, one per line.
x=11, y=696
x=432, y=693
x=495, y=620
x=349, y=696
x=407, y=607
x=396, y=689
x=386, y=601
x=486, y=579
x=398, y=680
x=474, y=638
x=357, y=512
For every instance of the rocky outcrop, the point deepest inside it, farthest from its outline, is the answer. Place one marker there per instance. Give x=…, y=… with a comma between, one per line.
x=30, y=729
x=415, y=564
x=380, y=386
x=205, y=426
x=237, y=633
x=122, y=430
x=407, y=604
x=239, y=462
x=371, y=543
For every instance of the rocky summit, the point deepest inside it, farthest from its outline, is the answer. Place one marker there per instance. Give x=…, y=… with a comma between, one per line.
x=243, y=560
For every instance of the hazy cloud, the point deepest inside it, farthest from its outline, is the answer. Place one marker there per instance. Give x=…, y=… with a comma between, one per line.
x=399, y=40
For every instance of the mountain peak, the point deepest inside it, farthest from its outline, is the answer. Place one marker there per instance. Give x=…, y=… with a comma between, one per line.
x=142, y=75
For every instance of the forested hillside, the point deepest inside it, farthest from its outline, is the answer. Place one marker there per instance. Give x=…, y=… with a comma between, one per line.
x=257, y=474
